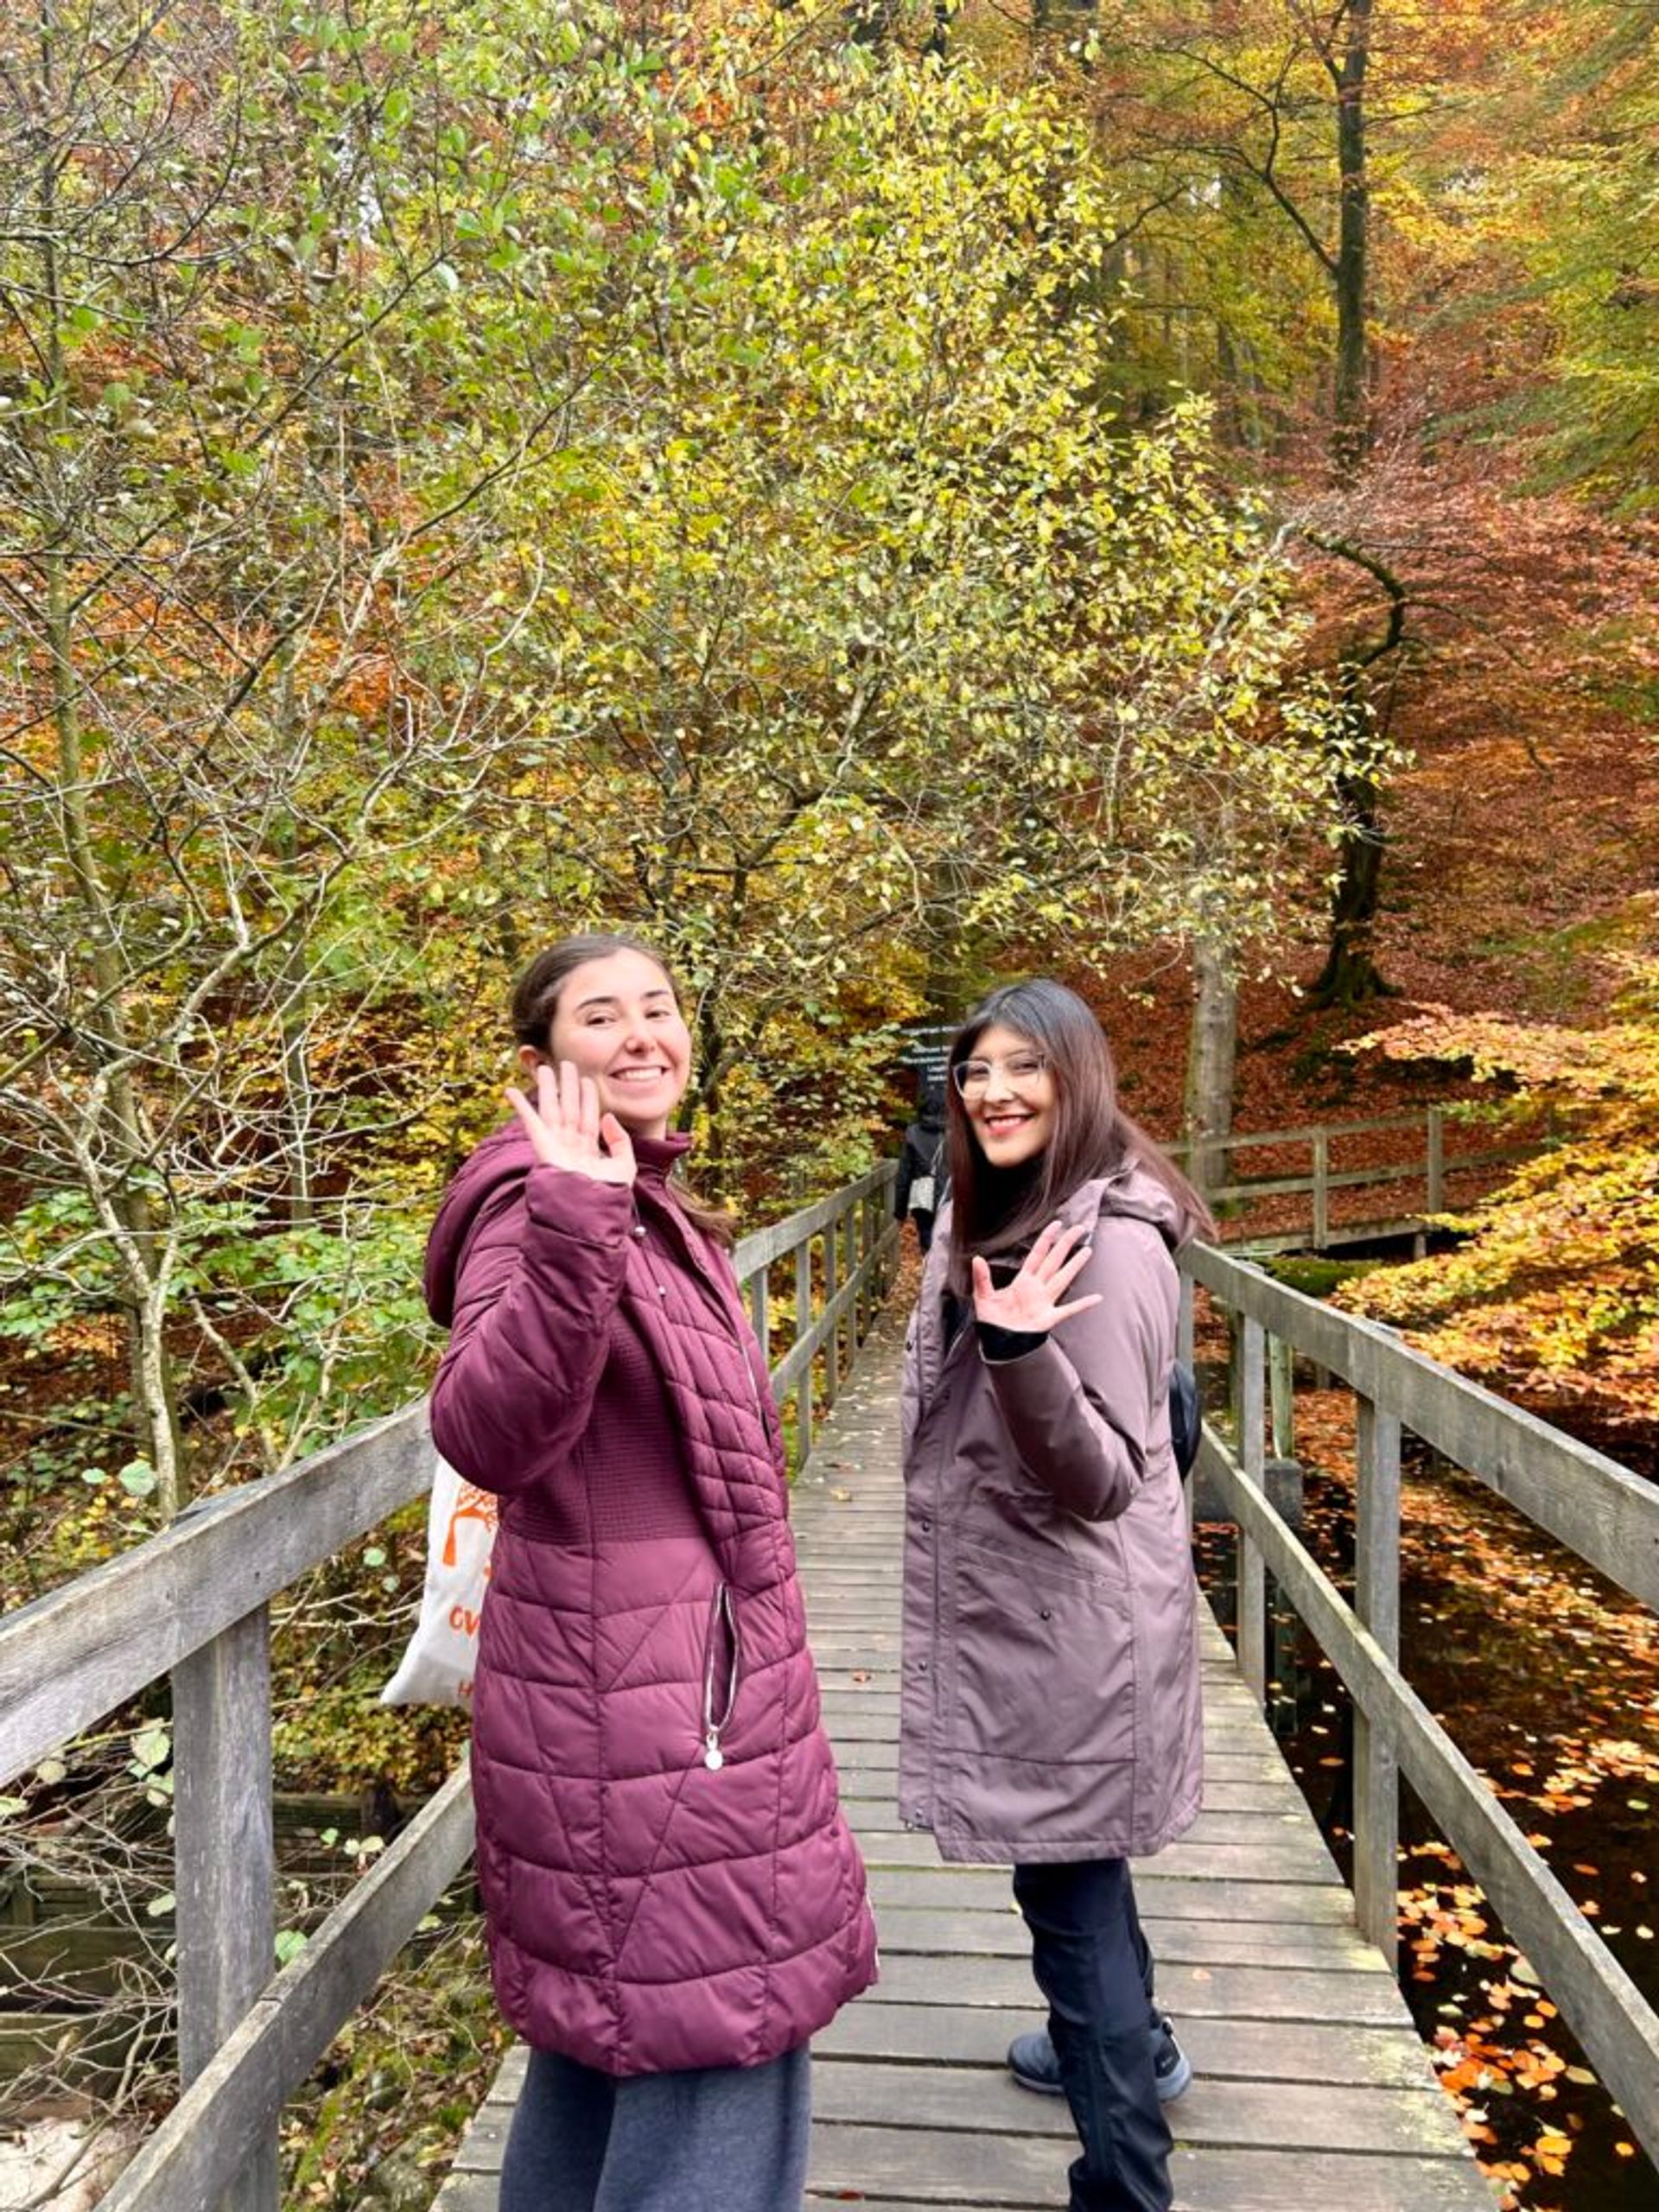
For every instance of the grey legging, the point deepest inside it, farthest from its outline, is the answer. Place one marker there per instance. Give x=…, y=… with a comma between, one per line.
x=721, y=2138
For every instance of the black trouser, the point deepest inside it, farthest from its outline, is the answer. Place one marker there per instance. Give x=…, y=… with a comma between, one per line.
x=1093, y=1965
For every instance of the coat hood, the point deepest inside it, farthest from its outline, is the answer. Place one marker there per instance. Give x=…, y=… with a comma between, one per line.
x=500, y=1163
x=1133, y=1192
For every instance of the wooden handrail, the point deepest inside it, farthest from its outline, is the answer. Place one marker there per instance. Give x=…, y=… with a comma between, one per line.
x=214, y=2132
x=1598, y=1510
x=1585, y=1499
x=70, y=1657
x=193, y=1602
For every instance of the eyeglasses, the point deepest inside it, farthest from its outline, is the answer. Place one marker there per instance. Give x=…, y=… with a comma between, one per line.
x=973, y=1078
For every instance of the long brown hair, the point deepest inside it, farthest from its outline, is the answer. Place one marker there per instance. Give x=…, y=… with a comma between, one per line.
x=1000, y=1210
x=535, y=1000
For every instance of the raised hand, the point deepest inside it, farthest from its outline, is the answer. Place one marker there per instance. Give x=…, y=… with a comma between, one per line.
x=566, y=1128
x=1030, y=1304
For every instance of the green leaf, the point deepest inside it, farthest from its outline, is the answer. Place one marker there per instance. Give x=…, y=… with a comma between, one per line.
x=151, y=1747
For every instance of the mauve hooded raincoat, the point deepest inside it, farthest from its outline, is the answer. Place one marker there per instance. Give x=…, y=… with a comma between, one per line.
x=667, y=1880
x=1049, y=1702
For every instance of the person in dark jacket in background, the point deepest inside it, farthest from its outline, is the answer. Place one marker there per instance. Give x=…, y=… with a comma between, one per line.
x=1050, y=1712
x=921, y=1164
x=674, y=1902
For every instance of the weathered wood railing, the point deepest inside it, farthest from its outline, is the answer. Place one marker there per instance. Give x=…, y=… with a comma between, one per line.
x=850, y=1228
x=1213, y=1162
x=1599, y=1510
x=193, y=1603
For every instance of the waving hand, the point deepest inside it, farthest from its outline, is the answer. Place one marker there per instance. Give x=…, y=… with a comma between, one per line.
x=1030, y=1304
x=566, y=1128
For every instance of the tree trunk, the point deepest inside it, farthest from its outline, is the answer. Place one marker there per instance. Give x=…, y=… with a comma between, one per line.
x=715, y=1154
x=1240, y=402
x=1351, y=975
x=1211, y=1054
x=952, y=968
x=294, y=1009
x=115, y=1157
x=1351, y=397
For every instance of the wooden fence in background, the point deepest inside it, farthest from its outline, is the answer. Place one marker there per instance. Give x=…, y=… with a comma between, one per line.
x=1327, y=1204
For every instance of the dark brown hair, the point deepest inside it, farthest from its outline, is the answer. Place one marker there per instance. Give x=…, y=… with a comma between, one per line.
x=1000, y=1210
x=535, y=1000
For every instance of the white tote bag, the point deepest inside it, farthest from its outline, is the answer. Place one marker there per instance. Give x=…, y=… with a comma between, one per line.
x=438, y=1666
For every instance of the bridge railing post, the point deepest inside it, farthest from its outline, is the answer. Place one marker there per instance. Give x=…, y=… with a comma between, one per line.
x=1252, y=1453
x=1376, y=1602
x=1321, y=1190
x=1281, y=1393
x=225, y=1862
x=832, y=1341
x=760, y=1311
x=803, y=1323
x=847, y=1229
x=1435, y=1180
x=1599, y=1510
x=835, y=1279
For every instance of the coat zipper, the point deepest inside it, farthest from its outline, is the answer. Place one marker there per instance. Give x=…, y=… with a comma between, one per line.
x=722, y=1614
x=929, y=1822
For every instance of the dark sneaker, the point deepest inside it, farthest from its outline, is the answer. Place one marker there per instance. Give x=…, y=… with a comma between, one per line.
x=1172, y=2068
x=1032, y=2063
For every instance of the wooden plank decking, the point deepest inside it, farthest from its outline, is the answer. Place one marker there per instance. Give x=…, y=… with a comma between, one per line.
x=1312, y=2090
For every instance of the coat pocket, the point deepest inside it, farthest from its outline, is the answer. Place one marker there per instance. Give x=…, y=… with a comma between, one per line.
x=722, y=1665
x=1044, y=1663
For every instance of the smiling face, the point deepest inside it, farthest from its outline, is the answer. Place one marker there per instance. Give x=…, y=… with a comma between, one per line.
x=1011, y=1118
x=619, y=1022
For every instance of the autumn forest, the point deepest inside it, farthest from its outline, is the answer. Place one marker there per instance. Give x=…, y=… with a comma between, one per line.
x=879, y=498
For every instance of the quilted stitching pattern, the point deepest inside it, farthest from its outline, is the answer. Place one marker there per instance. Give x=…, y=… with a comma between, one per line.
x=644, y=1912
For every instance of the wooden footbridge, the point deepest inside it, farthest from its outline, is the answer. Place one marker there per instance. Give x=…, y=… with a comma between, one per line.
x=1312, y=2087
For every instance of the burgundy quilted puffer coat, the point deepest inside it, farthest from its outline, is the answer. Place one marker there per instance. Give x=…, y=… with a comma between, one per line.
x=668, y=1879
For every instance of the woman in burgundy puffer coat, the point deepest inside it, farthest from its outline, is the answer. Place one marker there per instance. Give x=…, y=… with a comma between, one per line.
x=674, y=1902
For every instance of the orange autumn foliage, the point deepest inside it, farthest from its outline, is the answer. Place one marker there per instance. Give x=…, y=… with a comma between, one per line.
x=1551, y=1292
